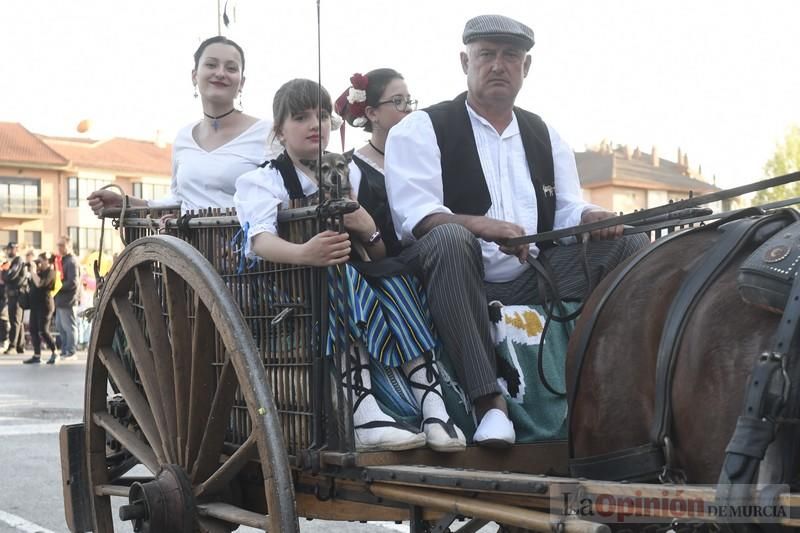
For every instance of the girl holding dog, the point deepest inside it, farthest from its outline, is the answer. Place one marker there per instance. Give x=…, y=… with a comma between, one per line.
x=387, y=318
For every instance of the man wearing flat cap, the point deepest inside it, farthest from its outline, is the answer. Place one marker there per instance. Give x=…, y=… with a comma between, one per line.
x=462, y=177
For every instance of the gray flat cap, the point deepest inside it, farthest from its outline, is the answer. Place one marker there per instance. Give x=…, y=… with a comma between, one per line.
x=498, y=28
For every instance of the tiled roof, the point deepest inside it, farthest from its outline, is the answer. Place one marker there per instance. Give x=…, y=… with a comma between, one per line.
x=125, y=155
x=613, y=167
x=18, y=145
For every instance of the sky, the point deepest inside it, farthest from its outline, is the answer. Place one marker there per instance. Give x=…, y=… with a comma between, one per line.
x=719, y=80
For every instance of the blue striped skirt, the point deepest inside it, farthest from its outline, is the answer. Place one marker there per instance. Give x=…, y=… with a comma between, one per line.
x=388, y=314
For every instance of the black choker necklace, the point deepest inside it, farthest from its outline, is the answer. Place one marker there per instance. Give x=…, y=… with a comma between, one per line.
x=375, y=148
x=215, y=124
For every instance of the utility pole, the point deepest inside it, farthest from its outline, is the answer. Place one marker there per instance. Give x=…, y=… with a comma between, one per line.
x=219, y=18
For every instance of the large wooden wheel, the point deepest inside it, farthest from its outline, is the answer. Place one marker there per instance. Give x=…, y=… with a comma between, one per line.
x=169, y=338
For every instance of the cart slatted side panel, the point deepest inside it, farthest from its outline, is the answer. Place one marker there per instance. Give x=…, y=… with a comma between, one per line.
x=276, y=302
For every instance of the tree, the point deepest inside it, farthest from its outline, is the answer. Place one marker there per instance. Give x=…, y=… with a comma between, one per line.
x=785, y=160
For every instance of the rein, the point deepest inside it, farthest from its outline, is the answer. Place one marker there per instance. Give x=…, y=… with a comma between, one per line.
x=647, y=216
x=545, y=279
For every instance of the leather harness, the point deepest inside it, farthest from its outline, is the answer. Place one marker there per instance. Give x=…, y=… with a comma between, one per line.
x=654, y=460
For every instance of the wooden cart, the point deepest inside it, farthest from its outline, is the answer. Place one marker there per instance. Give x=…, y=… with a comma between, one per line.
x=209, y=405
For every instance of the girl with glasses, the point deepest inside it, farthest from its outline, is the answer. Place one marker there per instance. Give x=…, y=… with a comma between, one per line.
x=375, y=102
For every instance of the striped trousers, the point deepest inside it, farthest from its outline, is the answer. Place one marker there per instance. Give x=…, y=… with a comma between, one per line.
x=449, y=261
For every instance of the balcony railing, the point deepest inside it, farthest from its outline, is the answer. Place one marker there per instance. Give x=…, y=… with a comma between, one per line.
x=24, y=207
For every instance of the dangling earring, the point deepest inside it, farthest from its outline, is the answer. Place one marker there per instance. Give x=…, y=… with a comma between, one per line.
x=195, y=90
x=240, y=101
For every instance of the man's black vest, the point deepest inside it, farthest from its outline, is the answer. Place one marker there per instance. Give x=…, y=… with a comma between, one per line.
x=463, y=181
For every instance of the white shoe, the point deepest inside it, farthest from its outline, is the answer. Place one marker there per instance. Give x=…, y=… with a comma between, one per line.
x=383, y=435
x=444, y=436
x=495, y=430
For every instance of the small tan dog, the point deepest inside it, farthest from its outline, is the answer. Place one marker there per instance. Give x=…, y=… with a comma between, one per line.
x=335, y=183
x=334, y=174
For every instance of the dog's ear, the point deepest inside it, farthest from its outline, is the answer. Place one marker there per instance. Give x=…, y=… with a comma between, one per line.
x=310, y=163
x=348, y=155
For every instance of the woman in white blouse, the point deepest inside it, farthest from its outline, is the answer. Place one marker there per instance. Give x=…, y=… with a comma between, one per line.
x=387, y=321
x=209, y=154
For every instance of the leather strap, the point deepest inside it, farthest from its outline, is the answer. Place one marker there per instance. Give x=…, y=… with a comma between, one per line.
x=589, y=321
x=769, y=395
x=642, y=463
x=706, y=270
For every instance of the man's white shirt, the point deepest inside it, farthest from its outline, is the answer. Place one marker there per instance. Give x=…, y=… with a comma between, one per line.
x=414, y=183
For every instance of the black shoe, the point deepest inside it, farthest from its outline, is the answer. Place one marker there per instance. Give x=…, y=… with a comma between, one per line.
x=8, y=352
x=53, y=359
x=35, y=360
x=66, y=355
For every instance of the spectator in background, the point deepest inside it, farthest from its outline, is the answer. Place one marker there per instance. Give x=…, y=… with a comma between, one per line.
x=14, y=278
x=67, y=297
x=85, y=300
x=3, y=308
x=43, y=284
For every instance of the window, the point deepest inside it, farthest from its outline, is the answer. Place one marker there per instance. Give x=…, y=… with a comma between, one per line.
x=33, y=239
x=20, y=195
x=79, y=188
x=7, y=236
x=150, y=191
x=87, y=240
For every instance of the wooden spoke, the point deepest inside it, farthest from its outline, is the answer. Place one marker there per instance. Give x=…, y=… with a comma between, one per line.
x=225, y=474
x=192, y=360
x=129, y=439
x=133, y=397
x=218, y=419
x=144, y=364
x=233, y=514
x=112, y=490
x=212, y=525
x=175, y=295
x=201, y=391
x=159, y=348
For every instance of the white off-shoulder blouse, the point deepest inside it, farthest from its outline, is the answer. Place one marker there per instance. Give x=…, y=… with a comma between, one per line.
x=202, y=179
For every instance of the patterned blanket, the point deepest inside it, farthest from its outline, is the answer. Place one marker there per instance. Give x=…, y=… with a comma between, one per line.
x=537, y=413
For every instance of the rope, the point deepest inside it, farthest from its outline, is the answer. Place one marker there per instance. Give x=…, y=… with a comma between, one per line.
x=99, y=279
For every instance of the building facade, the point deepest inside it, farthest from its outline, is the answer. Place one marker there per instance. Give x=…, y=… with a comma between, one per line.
x=44, y=182
x=623, y=180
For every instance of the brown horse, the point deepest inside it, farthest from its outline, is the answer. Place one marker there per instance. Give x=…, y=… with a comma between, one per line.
x=614, y=404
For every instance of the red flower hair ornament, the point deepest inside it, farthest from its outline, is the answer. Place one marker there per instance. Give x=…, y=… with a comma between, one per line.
x=352, y=104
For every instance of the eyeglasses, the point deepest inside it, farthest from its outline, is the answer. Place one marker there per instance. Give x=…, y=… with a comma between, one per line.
x=401, y=103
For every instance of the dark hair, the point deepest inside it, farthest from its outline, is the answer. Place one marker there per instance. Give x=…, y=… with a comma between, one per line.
x=296, y=96
x=214, y=40
x=46, y=256
x=377, y=81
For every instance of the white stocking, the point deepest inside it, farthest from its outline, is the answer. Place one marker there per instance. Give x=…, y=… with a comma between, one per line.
x=368, y=409
x=432, y=405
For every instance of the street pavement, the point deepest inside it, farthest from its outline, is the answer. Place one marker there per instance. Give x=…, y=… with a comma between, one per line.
x=35, y=400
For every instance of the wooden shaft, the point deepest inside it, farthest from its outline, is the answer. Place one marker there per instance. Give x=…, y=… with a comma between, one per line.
x=497, y=512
